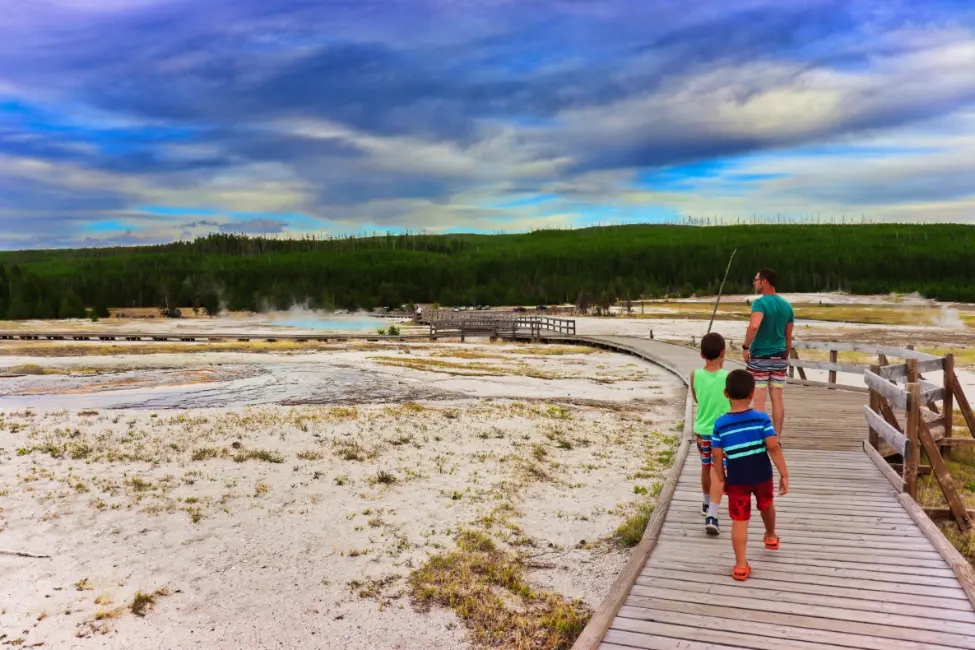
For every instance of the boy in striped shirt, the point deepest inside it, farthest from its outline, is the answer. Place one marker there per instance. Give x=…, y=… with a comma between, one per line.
x=747, y=440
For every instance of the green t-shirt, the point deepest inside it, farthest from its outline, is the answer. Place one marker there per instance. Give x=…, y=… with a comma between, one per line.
x=770, y=339
x=711, y=401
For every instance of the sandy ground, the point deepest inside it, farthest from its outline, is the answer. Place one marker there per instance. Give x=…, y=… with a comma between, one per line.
x=259, y=524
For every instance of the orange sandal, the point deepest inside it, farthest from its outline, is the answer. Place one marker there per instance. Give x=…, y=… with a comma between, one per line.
x=742, y=574
x=772, y=544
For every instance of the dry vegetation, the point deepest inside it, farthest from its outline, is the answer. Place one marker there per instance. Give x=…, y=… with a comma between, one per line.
x=473, y=507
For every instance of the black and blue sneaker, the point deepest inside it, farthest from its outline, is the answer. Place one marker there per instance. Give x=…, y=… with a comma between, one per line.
x=711, y=526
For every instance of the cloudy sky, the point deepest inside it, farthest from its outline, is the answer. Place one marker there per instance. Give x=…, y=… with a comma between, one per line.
x=129, y=121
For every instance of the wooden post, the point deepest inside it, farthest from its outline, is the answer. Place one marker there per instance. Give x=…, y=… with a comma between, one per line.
x=795, y=355
x=955, y=504
x=913, y=458
x=875, y=407
x=833, y=358
x=948, y=403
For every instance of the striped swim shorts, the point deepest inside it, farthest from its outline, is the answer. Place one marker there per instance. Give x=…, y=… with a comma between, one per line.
x=704, y=448
x=768, y=371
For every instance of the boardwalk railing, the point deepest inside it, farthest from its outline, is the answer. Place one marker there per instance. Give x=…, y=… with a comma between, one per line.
x=502, y=327
x=916, y=400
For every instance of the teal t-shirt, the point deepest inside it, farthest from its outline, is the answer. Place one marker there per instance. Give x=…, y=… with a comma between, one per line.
x=770, y=339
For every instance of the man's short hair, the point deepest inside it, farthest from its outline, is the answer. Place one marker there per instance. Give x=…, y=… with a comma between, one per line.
x=740, y=384
x=769, y=276
x=712, y=345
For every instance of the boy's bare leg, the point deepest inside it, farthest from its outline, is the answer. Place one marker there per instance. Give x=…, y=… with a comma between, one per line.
x=706, y=479
x=758, y=399
x=716, y=486
x=778, y=409
x=739, y=541
x=768, y=518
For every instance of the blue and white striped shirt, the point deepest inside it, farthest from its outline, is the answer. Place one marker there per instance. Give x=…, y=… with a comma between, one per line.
x=742, y=438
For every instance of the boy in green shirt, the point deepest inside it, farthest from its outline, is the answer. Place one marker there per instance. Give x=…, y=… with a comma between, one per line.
x=708, y=389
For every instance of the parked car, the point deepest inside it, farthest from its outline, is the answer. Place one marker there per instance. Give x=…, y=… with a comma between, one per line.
x=541, y=308
x=520, y=310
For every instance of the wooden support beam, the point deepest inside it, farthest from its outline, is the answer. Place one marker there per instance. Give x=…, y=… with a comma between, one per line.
x=913, y=457
x=948, y=404
x=794, y=354
x=957, y=442
x=944, y=478
x=834, y=359
x=944, y=514
x=922, y=470
x=872, y=437
x=963, y=405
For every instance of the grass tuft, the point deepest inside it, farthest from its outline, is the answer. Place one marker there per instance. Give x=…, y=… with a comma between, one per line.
x=266, y=455
x=630, y=532
x=486, y=588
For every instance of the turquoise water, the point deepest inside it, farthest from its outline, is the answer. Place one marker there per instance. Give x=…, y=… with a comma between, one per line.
x=328, y=322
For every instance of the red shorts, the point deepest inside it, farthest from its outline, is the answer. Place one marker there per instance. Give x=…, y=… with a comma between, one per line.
x=740, y=499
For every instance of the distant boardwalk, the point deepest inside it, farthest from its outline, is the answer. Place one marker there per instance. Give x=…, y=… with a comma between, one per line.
x=855, y=569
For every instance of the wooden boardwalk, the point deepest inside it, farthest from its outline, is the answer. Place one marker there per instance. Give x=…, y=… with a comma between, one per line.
x=855, y=569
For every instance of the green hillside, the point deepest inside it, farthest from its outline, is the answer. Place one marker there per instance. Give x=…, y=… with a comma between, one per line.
x=540, y=267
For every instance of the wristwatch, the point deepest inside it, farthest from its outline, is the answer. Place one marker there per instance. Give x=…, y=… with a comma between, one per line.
x=744, y=347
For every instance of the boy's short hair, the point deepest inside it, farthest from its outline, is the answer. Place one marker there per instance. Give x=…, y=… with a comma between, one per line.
x=712, y=345
x=769, y=276
x=740, y=384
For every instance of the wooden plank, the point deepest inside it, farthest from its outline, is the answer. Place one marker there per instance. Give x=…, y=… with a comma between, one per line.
x=887, y=350
x=800, y=629
x=891, y=392
x=823, y=384
x=932, y=394
x=693, y=632
x=846, y=609
x=893, y=477
x=630, y=640
x=671, y=552
x=941, y=473
x=894, y=638
x=904, y=592
x=889, y=434
x=826, y=551
x=900, y=371
x=832, y=366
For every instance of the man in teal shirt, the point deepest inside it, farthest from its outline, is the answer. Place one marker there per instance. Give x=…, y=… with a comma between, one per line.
x=767, y=344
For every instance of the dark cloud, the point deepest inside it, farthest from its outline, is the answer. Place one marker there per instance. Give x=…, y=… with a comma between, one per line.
x=183, y=96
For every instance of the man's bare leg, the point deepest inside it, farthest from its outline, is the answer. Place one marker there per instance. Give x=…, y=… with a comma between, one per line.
x=758, y=399
x=778, y=409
